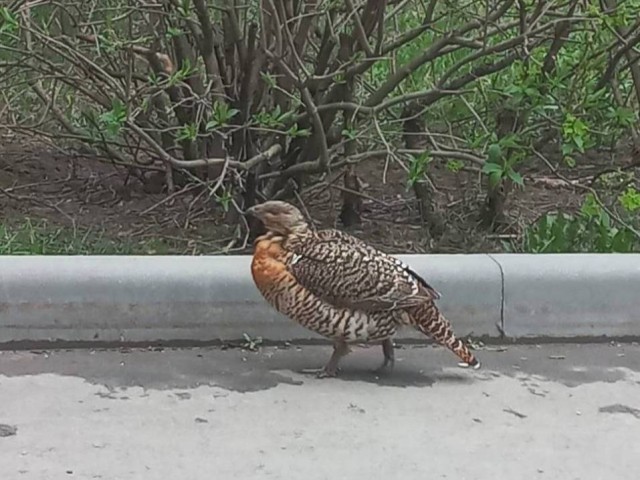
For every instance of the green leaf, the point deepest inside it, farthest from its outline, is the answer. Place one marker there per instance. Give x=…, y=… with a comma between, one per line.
x=490, y=167
x=188, y=132
x=515, y=177
x=567, y=149
x=268, y=79
x=625, y=117
x=579, y=127
x=173, y=32
x=418, y=167
x=113, y=120
x=350, y=134
x=568, y=125
x=630, y=199
x=579, y=141
x=221, y=115
x=184, y=8
x=296, y=131
x=494, y=153
x=510, y=141
x=494, y=178
x=590, y=207
x=454, y=165
x=623, y=241
x=8, y=22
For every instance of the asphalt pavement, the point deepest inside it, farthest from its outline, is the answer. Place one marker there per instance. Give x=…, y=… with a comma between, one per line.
x=532, y=412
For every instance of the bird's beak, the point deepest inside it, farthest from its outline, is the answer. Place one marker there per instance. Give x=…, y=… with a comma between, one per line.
x=250, y=212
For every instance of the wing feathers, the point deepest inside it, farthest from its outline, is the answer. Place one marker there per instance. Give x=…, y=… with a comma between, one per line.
x=346, y=272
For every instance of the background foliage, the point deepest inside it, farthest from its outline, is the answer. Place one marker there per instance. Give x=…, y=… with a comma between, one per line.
x=259, y=99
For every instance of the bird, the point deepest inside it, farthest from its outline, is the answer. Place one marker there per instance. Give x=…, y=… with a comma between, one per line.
x=343, y=288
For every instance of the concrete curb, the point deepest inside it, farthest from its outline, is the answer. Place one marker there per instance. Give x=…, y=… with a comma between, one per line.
x=563, y=296
x=116, y=299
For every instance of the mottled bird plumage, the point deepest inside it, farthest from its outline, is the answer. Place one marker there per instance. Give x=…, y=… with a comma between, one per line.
x=342, y=288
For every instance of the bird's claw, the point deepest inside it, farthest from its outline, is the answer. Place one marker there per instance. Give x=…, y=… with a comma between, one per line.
x=320, y=372
x=385, y=368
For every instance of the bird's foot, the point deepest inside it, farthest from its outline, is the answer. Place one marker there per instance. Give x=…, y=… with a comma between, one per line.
x=385, y=368
x=323, y=372
x=327, y=373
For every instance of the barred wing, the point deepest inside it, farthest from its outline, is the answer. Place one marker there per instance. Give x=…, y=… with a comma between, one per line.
x=347, y=272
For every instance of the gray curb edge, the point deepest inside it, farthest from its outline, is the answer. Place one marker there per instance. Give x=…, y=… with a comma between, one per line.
x=97, y=300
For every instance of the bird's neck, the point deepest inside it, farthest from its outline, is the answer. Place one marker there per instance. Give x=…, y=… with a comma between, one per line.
x=301, y=231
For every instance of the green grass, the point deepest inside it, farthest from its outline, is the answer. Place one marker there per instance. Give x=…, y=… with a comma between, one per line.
x=38, y=237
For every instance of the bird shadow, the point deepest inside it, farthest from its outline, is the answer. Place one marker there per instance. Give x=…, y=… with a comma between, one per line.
x=401, y=378
x=408, y=372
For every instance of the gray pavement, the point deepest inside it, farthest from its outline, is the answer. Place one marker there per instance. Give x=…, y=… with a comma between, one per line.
x=532, y=412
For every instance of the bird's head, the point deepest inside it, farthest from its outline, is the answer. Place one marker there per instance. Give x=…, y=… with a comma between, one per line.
x=279, y=217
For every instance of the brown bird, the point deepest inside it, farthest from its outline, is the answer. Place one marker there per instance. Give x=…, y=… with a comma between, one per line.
x=342, y=288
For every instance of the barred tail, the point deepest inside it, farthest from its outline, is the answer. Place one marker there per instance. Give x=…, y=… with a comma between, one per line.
x=432, y=323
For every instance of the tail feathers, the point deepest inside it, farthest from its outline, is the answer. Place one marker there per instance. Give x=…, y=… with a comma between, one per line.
x=432, y=323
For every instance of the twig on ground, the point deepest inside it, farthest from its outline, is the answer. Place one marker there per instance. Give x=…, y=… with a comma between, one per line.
x=359, y=194
x=168, y=198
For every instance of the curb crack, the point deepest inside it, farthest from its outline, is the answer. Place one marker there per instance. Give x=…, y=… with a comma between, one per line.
x=500, y=326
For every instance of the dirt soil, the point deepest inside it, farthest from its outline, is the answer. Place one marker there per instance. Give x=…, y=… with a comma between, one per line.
x=88, y=194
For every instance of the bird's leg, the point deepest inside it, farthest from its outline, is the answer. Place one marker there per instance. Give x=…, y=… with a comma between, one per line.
x=340, y=349
x=387, y=350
